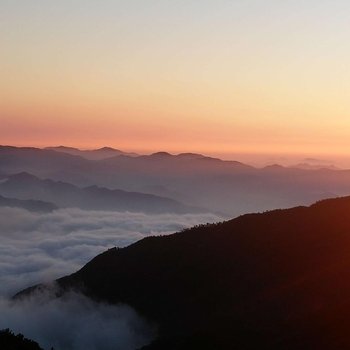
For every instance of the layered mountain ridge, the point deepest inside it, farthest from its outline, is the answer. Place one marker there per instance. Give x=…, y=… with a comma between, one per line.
x=25, y=187
x=228, y=187
x=28, y=204
x=96, y=154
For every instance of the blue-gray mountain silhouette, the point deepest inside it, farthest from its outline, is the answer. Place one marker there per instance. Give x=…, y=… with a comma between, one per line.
x=28, y=204
x=228, y=187
x=26, y=186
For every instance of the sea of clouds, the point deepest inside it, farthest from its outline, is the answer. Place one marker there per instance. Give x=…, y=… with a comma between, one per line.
x=36, y=248
x=74, y=322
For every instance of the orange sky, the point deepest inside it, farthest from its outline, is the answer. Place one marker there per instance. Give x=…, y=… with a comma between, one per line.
x=217, y=77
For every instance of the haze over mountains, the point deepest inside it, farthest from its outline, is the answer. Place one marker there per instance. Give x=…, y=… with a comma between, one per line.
x=29, y=204
x=269, y=281
x=227, y=187
x=277, y=280
x=25, y=186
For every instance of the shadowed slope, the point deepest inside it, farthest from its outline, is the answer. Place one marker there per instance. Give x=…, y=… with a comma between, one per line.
x=277, y=280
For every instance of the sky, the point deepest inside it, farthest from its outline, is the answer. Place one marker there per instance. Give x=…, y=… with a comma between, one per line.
x=223, y=76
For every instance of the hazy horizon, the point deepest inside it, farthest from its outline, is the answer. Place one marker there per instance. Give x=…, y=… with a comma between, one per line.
x=257, y=159
x=221, y=77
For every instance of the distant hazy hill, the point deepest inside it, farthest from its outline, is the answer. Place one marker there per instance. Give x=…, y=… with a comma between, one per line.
x=228, y=187
x=277, y=280
x=31, y=205
x=96, y=154
x=26, y=186
x=308, y=166
x=43, y=163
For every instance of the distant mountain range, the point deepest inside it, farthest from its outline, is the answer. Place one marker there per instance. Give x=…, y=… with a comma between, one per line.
x=227, y=187
x=31, y=205
x=276, y=280
x=27, y=187
x=308, y=166
x=96, y=154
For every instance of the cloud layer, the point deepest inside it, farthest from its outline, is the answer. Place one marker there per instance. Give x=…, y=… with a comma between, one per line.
x=76, y=323
x=38, y=248
x=41, y=247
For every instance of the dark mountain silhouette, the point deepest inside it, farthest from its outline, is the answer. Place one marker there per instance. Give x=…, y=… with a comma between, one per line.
x=228, y=187
x=10, y=341
x=96, y=154
x=31, y=205
x=275, y=280
x=26, y=186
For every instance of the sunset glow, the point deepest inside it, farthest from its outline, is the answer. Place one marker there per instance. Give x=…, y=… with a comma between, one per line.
x=209, y=76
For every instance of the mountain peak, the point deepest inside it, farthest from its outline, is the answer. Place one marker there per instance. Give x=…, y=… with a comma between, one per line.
x=62, y=148
x=108, y=149
x=274, y=167
x=23, y=176
x=161, y=154
x=189, y=155
x=91, y=154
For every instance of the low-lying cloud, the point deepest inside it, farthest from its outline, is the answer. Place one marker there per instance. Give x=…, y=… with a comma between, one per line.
x=38, y=248
x=74, y=322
